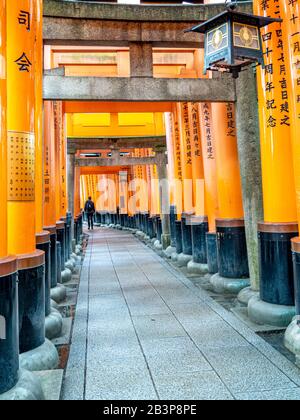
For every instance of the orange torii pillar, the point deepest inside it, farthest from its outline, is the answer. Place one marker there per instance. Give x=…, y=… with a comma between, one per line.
x=62, y=205
x=163, y=223
x=233, y=274
x=61, y=219
x=53, y=325
x=169, y=123
x=275, y=306
x=123, y=198
x=291, y=36
x=187, y=174
x=9, y=331
x=73, y=179
x=211, y=190
x=23, y=20
x=155, y=202
x=144, y=196
x=177, y=185
x=148, y=219
x=78, y=220
x=58, y=292
x=199, y=222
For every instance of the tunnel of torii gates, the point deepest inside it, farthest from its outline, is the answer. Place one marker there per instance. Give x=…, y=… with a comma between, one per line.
x=112, y=119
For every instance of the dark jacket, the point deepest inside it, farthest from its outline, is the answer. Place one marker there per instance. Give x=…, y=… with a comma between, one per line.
x=89, y=207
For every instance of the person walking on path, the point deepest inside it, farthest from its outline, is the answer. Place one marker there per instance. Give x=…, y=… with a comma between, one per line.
x=89, y=209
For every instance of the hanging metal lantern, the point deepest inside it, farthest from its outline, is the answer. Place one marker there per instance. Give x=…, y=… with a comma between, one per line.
x=232, y=40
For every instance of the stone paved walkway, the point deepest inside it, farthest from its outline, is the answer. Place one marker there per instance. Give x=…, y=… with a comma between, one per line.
x=144, y=331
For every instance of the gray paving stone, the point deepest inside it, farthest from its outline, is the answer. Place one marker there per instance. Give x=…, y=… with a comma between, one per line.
x=196, y=386
x=276, y=395
x=157, y=326
x=244, y=369
x=216, y=334
x=126, y=382
x=174, y=355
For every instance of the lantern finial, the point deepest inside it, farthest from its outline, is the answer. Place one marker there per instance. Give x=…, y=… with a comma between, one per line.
x=232, y=5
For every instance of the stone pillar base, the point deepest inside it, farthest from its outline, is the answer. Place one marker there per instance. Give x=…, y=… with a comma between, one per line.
x=226, y=286
x=28, y=388
x=196, y=268
x=44, y=357
x=262, y=313
x=76, y=259
x=170, y=251
x=292, y=338
x=165, y=241
x=58, y=293
x=140, y=234
x=66, y=275
x=70, y=265
x=174, y=257
x=183, y=260
x=157, y=245
x=246, y=294
x=53, y=324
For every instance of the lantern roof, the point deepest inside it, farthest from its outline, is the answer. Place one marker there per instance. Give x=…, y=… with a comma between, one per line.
x=233, y=15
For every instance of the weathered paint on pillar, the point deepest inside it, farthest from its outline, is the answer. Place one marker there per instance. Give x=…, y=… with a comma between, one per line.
x=248, y=140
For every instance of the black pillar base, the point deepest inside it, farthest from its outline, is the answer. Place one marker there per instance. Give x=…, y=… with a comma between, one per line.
x=173, y=218
x=64, y=219
x=43, y=244
x=58, y=263
x=199, y=231
x=179, y=248
x=159, y=229
x=31, y=301
x=9, y=329
x=296, y=265
x=60, y=232
x=232, y=249
x=53, y=255
x=151, y=232
x=276, y=263
x=69, y=230
x=212, y=253
x=186, y=230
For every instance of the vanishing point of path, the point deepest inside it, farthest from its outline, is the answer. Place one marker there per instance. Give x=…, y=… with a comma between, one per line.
x=144, y=331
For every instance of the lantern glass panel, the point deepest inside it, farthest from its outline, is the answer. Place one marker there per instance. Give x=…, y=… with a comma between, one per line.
x=217, y=39
x=246, y=36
